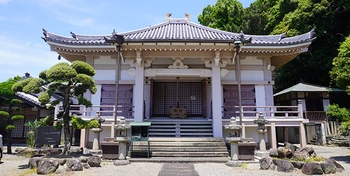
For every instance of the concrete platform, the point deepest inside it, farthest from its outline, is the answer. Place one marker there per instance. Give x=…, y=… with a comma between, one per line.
x=187, y=160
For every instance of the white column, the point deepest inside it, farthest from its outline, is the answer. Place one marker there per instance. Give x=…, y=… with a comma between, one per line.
x=217, y=101
x=273, y=136
x=139, y=85
x=302, y=135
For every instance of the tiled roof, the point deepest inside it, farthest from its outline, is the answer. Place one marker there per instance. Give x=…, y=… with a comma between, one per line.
x=306, y=87
x=29, y=97
x=179, y=30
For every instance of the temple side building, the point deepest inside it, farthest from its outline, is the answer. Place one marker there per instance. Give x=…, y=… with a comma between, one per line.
x=182, y=72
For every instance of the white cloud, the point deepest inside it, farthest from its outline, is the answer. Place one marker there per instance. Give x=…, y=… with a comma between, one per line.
x=17, y=57
x=4, y=1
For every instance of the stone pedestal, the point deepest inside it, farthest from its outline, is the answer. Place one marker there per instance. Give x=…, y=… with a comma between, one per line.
x=261, y=131
x=96, y=141
x=123, y=140
x=233, y=139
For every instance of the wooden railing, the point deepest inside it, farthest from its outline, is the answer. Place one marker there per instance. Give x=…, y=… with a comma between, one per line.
x=316, y=116
x=106, y=111
x=269, y=112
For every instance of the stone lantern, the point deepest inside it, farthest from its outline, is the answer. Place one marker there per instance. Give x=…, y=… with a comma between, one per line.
x=122, y=137
x=261, y=131
x=234, y=137
x=97, y=131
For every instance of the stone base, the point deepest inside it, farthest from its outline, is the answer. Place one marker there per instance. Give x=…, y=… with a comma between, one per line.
x=121, y=162
x=262, y=154
x=95, y=152
x=232, y=163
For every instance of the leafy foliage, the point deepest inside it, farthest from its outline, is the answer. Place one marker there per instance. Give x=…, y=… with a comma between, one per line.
x=79, y=123
x=17, y=117
x=4, y=114
x=10, y=127
x=341, y=66
x=47, y=121
x=224, y=15
x=337, y=113
x=344, y=128
x=70, y=81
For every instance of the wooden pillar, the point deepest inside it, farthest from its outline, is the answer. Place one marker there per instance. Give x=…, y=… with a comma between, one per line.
x=139, y=86
x=302, y=135
x=83, y=137
x=273, y=136
x=243, y=130
x=285, y=132
x=217, y=101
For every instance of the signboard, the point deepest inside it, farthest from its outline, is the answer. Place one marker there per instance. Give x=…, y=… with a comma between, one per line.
x=47, y=135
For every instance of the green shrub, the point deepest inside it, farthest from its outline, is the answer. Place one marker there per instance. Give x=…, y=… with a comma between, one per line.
x=344, y=128
x=4, y=114
x=337, y=113
x=10, y=127
x=17, y=117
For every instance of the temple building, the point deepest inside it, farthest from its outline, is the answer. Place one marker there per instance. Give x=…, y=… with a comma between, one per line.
x=181, y=73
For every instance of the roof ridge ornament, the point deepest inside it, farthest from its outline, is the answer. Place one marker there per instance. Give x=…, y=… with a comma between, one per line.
x=167, y=16
x=74, y=35
x=188, y=17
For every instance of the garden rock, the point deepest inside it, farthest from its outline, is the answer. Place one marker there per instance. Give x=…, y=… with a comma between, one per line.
x=283, y=165
x=339, y=167
x=34, y=161
x=74, y=164
x=328, y=167
x=265, y=163
x=312, y=168
x=47, y=166
x=86, y=165
x=298, y=164
x=309, y=150
x=94, y=161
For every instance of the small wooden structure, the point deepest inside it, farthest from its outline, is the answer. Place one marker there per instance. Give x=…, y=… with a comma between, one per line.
x=109, y=148
x=178, y=112
x=139, y=133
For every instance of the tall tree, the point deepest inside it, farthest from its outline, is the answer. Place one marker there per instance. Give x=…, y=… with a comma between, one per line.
x=341, y=66
x=71, y=81
x=7, y=117
x=225, y=15
x=331, y=21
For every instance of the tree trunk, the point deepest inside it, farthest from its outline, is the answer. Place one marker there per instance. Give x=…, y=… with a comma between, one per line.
x=9, y=136
x=66, y=119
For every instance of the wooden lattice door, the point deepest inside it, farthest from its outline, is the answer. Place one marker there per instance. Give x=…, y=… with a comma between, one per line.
x=188, y=94
x=231, y=98
x=124, y=99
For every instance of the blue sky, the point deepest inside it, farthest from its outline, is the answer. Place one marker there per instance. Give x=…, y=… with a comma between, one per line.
x=21, y=22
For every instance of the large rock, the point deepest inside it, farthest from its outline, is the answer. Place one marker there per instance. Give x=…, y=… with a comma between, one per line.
x=328, y=167
x=312, y=168
x=301, y=156
x=265, y=163
x=94, y=161
x=339, y=167
x=47, y=166
x=74, y=164
x=276, y=153
x=283, y=165
x=309, y=150
x=34, y=161
x=292, y=147
x=298, y=164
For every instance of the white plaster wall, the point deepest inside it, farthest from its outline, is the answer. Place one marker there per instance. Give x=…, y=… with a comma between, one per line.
x=260, y=97
x=229, y=76
x=163, y=61
x=110, y=75
x=192, y=61
x=251, y=60
x=325, y=104
x=104, y=75
x=252, y=75
x=105, y=60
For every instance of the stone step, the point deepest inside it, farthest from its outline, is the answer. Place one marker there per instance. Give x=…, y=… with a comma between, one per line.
x=189, y=154
x=183, y=144
x=184, y=139
x=180, y=149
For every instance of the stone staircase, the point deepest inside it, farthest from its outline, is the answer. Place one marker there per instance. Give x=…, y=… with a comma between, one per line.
x=184, y=128
x=181, y=147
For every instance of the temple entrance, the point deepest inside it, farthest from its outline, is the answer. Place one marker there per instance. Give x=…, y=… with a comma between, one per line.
x=230, y=93
x=187, y=95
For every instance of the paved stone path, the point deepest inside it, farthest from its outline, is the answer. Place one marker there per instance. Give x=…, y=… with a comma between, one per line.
x=178, y=169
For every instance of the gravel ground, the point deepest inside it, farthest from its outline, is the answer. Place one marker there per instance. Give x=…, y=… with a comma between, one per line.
x=13, y=165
